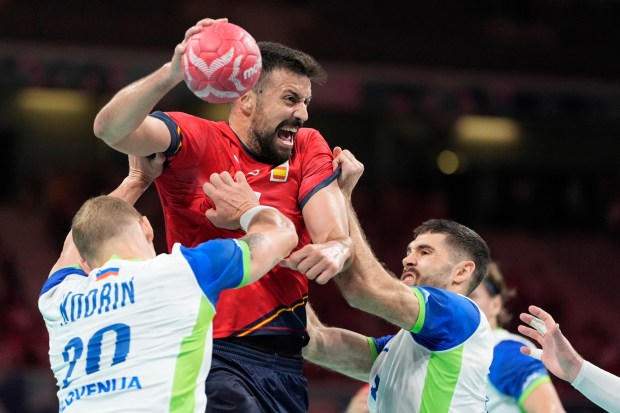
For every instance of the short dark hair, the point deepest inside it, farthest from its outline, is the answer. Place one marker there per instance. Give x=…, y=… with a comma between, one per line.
x=465, y=241
x=278, y=56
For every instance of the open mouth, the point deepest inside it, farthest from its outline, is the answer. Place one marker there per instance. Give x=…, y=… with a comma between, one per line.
x=287, y=134
x=408, y=277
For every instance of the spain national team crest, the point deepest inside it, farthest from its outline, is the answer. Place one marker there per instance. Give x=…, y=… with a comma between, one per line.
x=280, y=173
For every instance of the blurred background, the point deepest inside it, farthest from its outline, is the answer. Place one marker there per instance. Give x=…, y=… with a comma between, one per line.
x=503, y=115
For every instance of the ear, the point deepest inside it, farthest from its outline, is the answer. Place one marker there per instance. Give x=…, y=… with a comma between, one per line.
x=85, y=265
x=464, y=272
x=247, y=103
x=148, y=229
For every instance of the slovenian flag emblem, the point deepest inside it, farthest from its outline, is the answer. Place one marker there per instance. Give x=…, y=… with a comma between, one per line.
x=280, y=173
x=105, y=273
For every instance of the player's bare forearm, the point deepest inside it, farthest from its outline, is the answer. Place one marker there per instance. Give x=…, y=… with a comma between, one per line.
x=368, y=286
x=119, y=121
x=337, y=349
x=130, y=190
x=69, y=255
x=271, y=237
x=142, y=172
x=320, y=262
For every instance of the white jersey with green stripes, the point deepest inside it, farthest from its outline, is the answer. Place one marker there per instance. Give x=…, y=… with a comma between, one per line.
x=440, y=366
x=135, y=336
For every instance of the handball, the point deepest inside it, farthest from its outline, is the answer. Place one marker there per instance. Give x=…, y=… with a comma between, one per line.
x=221, y=63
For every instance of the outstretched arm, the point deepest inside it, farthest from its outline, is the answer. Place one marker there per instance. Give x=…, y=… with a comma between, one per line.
x=366, y=284
x=124, y=123
x=337, y=349
x=559, y=356
x=269, y=234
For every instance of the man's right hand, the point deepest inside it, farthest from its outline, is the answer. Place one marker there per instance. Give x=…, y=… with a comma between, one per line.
x=232, y=197
x=179, y=50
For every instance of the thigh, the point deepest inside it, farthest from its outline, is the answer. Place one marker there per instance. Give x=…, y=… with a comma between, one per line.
x=228, y=392
x=237, y=386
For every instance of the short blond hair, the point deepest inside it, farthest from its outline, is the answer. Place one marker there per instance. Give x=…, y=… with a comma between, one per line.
x=98, y=220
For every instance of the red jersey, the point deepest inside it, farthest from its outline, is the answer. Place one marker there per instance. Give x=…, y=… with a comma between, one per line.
x=276, y=303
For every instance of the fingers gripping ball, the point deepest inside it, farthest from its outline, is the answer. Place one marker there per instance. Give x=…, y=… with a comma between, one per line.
x=221, y=63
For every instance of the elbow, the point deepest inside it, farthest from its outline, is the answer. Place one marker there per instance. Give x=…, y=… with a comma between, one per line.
x=99, y=128
x=102, y=130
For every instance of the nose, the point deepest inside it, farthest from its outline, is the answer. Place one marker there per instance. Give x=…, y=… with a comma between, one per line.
x=301, y=112
x=409, y=260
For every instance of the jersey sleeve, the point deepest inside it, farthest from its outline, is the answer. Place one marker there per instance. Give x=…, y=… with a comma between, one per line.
x=445, y=320
x=316, y=166
x=58, y=276
x=377, y=345
x=219, y=264
x=515, y=374
x=187, y=139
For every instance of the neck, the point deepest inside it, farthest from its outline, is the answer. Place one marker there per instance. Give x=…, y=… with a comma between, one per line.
x=240, y=126
x=129, y=248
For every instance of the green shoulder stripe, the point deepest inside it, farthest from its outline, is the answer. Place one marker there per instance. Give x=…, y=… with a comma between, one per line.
x=417, y=327
x=532, y=387
x=246, y=263
x=373, y=348
x=189, y=361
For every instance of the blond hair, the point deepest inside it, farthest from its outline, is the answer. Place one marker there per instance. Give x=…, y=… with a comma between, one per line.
x=99, y=220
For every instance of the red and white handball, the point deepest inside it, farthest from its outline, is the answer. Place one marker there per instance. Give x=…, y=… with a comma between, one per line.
x=221, y=62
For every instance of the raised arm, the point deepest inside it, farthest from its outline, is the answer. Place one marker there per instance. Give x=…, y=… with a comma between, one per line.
x=124, y=124
x=142, y=172
x=337, y=349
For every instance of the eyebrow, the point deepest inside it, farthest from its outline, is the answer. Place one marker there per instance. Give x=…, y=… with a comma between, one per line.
x=419, y=247
x=297, y=95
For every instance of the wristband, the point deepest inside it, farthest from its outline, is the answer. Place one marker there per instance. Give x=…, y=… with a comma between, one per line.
x=248, y=215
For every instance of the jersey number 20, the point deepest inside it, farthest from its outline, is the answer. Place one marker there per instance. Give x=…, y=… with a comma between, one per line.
x=93, y=349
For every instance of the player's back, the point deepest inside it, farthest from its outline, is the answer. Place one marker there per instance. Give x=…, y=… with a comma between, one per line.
x=131, y=335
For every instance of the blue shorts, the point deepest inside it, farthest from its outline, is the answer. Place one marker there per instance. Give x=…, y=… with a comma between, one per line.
x=245, y=380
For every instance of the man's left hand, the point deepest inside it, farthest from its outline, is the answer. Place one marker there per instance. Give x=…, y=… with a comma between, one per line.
x=319, y=262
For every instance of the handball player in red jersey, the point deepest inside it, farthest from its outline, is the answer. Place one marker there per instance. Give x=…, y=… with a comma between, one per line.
x=259, y=330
